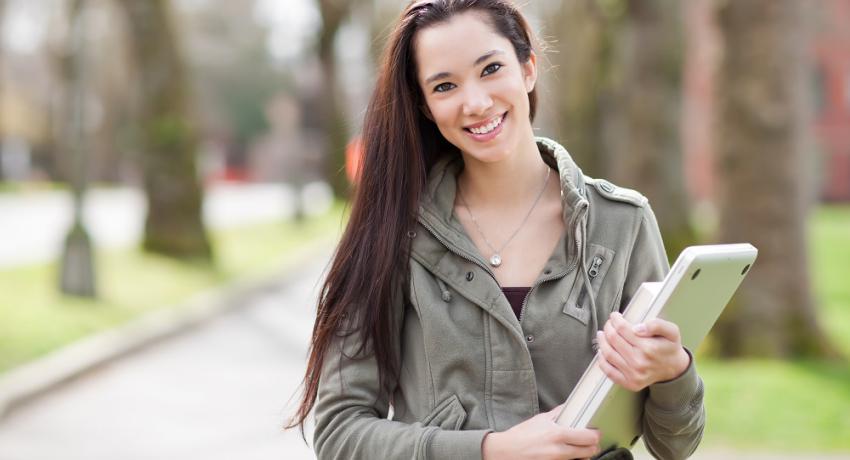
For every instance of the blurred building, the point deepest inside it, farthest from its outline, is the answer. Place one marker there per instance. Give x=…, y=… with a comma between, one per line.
x=832, y=97
x=830, y=52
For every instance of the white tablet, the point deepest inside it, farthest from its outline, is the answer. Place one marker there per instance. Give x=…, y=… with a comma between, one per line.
x=692, y=295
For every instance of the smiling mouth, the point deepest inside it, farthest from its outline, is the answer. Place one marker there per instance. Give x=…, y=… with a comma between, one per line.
x=489, y=127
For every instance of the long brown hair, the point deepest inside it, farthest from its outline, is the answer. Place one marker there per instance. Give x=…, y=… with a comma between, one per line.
x=400, y=144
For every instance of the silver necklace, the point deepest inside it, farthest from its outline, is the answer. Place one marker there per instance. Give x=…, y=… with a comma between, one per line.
x=496, y=258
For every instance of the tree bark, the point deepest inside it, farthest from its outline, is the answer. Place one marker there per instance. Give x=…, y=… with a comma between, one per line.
x=334, y=121
x=647, y=150
x=761, y=126
x=581, y=82
x=169, y=135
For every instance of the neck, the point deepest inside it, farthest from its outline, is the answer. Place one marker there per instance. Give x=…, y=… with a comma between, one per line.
x=511, y=182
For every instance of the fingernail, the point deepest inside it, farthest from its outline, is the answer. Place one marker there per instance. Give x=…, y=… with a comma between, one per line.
x=640, y=328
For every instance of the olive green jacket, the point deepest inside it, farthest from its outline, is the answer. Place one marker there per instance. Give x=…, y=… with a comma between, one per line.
x=468, y=366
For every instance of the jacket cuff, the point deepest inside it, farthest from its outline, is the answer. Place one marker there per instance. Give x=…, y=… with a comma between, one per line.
x=674, y=395
x=457, y=444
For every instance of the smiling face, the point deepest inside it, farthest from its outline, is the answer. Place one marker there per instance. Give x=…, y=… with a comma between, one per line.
x=475, y=88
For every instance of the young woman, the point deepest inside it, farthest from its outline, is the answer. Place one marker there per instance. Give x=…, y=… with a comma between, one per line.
x=481, y=271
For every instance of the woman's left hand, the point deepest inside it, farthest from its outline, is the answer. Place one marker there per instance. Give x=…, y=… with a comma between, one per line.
x=636, y=356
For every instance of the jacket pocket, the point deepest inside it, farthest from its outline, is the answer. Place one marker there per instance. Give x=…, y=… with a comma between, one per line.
x=448, y=415
x=599, y=259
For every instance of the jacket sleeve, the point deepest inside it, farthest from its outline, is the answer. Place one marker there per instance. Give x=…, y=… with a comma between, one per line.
x=351, y=416
x=674, y=415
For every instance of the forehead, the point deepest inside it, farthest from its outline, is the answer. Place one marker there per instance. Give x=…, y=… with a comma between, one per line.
x=454, y=45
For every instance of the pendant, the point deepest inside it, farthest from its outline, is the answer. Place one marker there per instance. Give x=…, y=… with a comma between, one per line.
x=496, y=260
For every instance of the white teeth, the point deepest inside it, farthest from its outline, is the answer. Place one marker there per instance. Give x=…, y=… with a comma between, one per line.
x=486, y=129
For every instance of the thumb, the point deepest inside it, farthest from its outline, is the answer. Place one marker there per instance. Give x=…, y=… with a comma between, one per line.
x=657, y=327
x=555, y=411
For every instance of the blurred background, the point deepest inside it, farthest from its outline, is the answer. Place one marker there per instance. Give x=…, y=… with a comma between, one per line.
x=173, y=176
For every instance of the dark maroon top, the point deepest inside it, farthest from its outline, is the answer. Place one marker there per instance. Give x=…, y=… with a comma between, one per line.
x=516, y=295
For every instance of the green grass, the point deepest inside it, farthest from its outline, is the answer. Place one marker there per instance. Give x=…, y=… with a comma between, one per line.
x=37, y=319
x=777, y=406
x=792, y=406
x=29, y=186
x=830, y=250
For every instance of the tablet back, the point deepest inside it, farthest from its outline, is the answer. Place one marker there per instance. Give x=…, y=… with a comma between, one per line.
x=694, y=293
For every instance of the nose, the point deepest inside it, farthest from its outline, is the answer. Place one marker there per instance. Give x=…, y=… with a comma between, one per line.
x=476, y=100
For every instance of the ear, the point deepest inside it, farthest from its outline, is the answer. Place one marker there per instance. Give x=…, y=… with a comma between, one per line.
x=426, y=111
x=529, y=71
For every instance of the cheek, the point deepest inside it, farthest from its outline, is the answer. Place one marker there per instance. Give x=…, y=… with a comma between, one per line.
x=443, y=112
x=516, y=92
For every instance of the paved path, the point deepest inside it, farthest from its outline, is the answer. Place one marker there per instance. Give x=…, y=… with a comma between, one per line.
x=217, y=392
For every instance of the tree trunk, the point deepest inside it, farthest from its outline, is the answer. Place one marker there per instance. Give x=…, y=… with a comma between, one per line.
x=761, y=123
x=334, y=121
x=77, y=275
x=169, y=135
x=581, y=82
x=647, y=151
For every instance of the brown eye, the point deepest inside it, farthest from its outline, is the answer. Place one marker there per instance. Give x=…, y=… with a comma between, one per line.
x=443, y=87
x=492, y=68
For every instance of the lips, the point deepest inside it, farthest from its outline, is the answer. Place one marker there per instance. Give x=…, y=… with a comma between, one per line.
x=486, y=126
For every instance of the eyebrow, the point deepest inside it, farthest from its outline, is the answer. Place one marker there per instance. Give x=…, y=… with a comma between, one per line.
x=484, y=57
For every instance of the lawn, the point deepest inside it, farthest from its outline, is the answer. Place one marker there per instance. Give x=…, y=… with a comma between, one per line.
x=37, y=319
x=792, y=406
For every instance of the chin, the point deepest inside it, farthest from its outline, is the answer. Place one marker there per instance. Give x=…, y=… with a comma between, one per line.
x=490, y=153
x=494, y=155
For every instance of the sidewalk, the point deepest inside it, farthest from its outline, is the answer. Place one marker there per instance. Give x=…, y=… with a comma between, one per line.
x=219, y=391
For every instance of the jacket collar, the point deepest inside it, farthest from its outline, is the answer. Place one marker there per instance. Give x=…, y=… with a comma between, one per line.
x=442, y=182
x=437, y=204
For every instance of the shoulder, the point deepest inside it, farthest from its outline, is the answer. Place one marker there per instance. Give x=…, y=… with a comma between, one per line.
x=608, y=192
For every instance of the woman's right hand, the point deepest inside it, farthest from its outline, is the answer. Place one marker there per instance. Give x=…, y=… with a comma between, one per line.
x=541, y=438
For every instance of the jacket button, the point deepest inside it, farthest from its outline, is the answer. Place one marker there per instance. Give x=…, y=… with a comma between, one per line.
x=470, y=276
x=529, y=338
x=411, y=234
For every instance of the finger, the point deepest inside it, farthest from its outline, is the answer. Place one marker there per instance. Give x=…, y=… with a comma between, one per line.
x=618, y=343
x=581, y=437
x=658, y=327
x=613, y=373
x=624, y=328
x=610, y=354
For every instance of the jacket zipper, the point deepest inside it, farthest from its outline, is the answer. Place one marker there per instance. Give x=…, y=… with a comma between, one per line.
x=592, y=273
x=553, y=277
x=457, y=252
